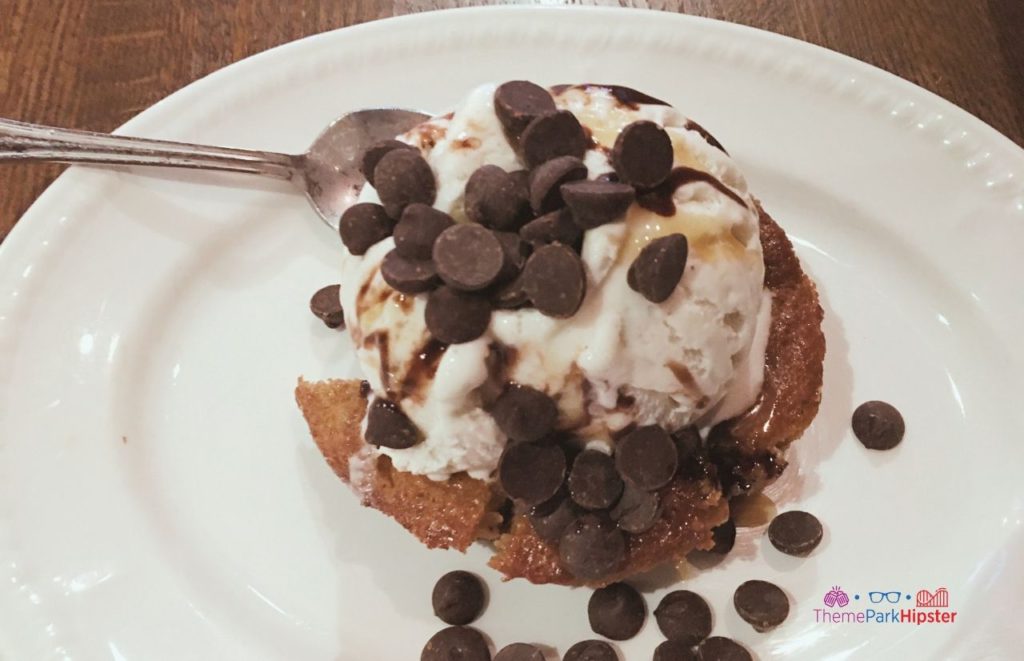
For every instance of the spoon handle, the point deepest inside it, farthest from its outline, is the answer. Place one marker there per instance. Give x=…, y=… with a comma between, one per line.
x=33, y=142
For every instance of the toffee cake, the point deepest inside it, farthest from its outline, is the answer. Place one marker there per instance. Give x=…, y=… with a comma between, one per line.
x=580, y=334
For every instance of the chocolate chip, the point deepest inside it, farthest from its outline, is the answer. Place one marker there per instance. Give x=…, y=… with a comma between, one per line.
x=647, y=457
x=594, y=484
x=546, y=182
x=458, y=597
x=595, y=203
x=403, y=177
x=372, y=156
x=419, y=227
x=462, y=643
x=616, y=611
x=642, y=154
x=519, y=102
x=468, y=257
x=557, y=226
x=659, y=267
x=552, y=135
x=637, y=510
x=531, y=473
x=408, y=276
x=720, y=648
x=684, y=616
x=553, y=516
x=387, y=426
x=591, y=650
x=496, y=199
x=519, y=652
x=555, y=280
x=511, y=296
x=724, y=537
x=688, y=442
x=878, y=425
x=363, y=225
x=591, y=547
x=795, y=532
x=762, y=604
x=455, y=317
x=524, y=414
x=674, y=650
x=514, y=253
x=326, y=306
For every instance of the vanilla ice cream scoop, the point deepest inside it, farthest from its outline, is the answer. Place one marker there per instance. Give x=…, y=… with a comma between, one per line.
x=618, y=358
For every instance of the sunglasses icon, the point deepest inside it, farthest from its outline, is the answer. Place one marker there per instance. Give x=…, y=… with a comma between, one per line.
x=891, y=597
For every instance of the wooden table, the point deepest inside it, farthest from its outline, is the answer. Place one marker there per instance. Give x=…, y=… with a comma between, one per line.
x=95, y=63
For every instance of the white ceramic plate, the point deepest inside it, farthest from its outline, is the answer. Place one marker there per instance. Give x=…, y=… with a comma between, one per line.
x=160, y=497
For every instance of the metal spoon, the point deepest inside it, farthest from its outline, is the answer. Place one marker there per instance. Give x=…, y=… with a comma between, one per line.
x=328, y=173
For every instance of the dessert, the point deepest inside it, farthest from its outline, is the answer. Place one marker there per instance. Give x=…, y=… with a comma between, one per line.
x=550, y=292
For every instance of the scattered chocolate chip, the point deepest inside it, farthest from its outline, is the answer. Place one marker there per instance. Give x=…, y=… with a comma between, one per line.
x=761, y=604
x=724, y=537
x=552, y=135
x=326, y=306
x=363, y=225
x=462, y=643
x=458, y=597
x=468, y=256
x=364, y=389
x=373, y=155
x=419, y=227
x=659, y=267
x=455, y=317
x=685, y=616
x=408, y=276
x=642, y=154
x=595, y=203
x=519, y=652
x=557, y=226
x=546, y=182
x=647, y=457
x=637, y=510
x=553, y=516
x=878, y=425
x=591, y=547
x=555, y=280
x=512, y=296
x=514, y=253
x=403, y=177
x=591, y=650
x=524, y=414
x=530, y=472
x=616, y=611
x=674, y=650
x=594, y=484
x=720, y=648
x=607, y=176
x=519, y=102
x=387, y=426
x=795, y=532
x=496, y=199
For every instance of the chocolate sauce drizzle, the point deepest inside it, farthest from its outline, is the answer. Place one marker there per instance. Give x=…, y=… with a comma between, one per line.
x=659, y=199
x=627, y=96
x=694, y=126
x=422, y=370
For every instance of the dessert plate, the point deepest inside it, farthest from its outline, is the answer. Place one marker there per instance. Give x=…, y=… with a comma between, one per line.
x=160, y=497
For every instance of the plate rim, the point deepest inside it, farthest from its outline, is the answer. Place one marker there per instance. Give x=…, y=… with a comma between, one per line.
x=20, y=245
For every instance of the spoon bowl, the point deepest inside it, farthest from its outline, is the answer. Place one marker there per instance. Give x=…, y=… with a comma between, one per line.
x=328, y=172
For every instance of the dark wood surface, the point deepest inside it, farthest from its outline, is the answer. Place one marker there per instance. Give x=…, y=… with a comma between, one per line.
x=95, y=63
